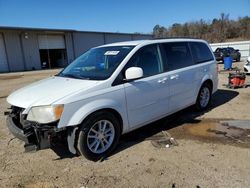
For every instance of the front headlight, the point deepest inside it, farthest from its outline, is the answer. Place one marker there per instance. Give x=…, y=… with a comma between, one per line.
x=45, y=114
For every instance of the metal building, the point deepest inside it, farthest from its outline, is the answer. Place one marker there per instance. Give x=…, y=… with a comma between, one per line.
x=34, y=49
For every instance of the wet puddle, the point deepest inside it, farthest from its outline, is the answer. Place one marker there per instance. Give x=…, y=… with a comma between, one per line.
x=167, y=132
x=213, y=130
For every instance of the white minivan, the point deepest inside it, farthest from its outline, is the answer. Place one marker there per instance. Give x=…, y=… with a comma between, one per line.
x=111, y=90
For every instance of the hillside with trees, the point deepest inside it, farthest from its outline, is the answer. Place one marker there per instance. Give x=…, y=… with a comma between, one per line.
x=218, y=30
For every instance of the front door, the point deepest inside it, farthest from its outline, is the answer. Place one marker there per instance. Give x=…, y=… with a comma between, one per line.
x=147, y=98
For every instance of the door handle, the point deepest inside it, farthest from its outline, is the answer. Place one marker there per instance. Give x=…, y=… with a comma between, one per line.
x=163, y=80
x=174, y=77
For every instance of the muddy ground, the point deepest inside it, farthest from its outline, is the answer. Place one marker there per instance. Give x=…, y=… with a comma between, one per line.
x=207, y=152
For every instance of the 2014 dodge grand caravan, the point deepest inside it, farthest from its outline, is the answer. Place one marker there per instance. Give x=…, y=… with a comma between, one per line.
x=111, y=90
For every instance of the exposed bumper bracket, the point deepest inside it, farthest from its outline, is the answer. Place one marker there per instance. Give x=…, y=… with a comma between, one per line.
x=17, y=132
x=71, y=139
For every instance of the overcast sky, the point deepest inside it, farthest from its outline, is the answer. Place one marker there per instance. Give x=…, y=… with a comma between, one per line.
x=115, y=15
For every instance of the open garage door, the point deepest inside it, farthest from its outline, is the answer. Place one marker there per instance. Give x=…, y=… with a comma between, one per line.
x=52, y=51
x=3, y=58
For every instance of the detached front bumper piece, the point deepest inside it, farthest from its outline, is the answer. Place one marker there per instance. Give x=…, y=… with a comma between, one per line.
x=16, y=131
x=35, y=136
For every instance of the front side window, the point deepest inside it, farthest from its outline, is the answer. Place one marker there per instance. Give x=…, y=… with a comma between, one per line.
x=97, y=63
x=177, y=55
x=147, y=58
x=201, y=52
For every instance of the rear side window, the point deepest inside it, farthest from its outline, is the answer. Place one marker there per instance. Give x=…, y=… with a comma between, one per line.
x=200, y=52
x=177, y=55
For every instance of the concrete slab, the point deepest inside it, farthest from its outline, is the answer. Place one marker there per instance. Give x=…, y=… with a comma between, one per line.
x=243, y=124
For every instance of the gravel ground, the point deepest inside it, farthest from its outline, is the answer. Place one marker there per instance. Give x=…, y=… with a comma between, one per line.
x=207, y=153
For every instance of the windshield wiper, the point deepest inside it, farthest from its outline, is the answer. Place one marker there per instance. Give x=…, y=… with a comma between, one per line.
x=73, y=76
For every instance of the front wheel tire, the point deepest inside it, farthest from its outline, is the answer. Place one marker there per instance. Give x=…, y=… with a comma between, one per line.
x=98, y=135
x=204, y=97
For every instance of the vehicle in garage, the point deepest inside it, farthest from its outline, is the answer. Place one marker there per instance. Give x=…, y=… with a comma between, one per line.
x=220, y=53
x=111, y=90
x=52, y=51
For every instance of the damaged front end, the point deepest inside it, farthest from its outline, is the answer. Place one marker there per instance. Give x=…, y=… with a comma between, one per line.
x=35, y=135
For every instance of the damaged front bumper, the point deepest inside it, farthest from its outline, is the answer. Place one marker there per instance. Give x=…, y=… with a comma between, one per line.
x=36, y=136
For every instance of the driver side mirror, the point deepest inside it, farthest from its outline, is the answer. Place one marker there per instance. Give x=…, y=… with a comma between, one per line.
x=133, y=73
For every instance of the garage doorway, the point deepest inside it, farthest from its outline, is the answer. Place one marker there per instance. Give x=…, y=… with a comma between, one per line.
x=52, y=51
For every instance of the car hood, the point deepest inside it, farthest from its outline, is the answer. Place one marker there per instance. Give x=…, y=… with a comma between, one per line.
x=48, y=91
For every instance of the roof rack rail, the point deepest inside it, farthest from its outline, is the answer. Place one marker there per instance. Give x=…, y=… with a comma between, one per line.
x=174, y=38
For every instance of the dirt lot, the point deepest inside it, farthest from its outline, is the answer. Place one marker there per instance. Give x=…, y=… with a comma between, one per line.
x=209, y=153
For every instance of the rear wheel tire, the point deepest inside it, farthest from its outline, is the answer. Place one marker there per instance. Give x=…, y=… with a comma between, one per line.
x=204, y=97
x=98, y=135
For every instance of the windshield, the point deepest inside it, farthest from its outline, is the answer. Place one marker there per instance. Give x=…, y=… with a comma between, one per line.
x=97, y=63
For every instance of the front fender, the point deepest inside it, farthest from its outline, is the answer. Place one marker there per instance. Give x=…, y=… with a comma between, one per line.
x=91, y=107
x=75, y=113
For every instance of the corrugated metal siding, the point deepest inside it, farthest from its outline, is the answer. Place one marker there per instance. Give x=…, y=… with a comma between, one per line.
x=22, y=45
x=31, y=51
x=141, y=37
x=14, y=51
x=243, y=46
x=3, y=59
x=111, y=38
x=69, y=47
x=84, y=41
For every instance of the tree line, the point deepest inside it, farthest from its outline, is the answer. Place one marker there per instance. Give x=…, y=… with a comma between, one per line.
x=218, y=30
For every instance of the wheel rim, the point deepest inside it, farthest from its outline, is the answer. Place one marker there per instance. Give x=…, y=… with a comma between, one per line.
x=100, y=136
x=204, y=97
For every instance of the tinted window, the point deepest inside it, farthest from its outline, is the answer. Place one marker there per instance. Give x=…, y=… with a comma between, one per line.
x=201, y=52
x=224, y=50
x=177, y=55
x=148, y=59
